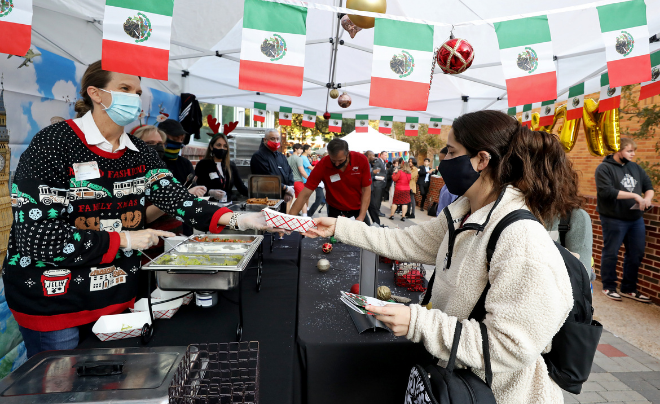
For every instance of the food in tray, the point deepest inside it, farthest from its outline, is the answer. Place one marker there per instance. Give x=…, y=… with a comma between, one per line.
x=214, y=239
x=198, y=260
x=262, y=201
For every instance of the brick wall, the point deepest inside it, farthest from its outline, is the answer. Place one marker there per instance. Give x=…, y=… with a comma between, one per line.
x=434, y=192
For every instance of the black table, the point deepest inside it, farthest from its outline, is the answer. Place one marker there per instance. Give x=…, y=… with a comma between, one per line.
x=336, y=364
x=269, y=317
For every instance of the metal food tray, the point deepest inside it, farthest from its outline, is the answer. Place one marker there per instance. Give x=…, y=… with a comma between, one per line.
x=253, y=239
x=254, y=207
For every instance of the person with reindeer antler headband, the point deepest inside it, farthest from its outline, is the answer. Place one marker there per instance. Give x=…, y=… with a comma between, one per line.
x=216, y=171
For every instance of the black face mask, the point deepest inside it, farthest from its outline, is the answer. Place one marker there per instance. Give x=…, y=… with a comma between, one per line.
x=338, y=167
x=159, y=149
x=220, y=153
x=458, y=174
x=624, y=160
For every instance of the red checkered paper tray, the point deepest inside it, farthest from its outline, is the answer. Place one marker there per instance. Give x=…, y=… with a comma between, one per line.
x=288, y=222
x=120, y=326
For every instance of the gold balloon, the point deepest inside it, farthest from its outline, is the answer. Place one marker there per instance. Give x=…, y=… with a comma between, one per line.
x=595, y=142
x=375, y=6
x=569, y=130
x=608, y=123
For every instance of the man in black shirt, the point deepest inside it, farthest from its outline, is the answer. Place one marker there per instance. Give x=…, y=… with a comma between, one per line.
x=180, y=166
x=269, y=161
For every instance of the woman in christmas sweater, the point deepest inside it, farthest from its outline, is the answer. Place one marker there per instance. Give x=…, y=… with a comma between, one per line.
x=79, y=197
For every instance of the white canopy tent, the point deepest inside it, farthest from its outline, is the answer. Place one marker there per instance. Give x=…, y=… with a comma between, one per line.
x=206, y=39
x=374, y=141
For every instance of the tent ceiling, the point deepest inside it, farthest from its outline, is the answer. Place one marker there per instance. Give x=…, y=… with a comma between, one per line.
x=73, y=28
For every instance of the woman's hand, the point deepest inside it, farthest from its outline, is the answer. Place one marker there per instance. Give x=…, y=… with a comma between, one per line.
x=142, y=239
x=199, y=190
x=395, y=317
x=325, y=227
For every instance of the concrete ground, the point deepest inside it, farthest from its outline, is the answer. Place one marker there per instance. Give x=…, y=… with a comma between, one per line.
x=626, y=368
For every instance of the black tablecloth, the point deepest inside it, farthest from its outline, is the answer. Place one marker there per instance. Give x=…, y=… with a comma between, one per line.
x=336, y=364
x=269, y=317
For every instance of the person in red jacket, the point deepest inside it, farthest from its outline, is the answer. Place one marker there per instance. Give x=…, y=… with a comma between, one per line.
x=401, y=178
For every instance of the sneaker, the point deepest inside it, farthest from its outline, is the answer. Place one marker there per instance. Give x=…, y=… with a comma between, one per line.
x=637, y=296
x=612, y=295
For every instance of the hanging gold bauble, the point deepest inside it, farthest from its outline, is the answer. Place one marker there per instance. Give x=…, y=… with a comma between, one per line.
x=334, y=93
x=375, y=6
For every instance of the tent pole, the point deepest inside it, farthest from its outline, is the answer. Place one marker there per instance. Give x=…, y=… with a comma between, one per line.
x=59, y=47
x=333, y=59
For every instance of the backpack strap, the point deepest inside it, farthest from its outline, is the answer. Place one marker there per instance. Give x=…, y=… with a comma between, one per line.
x=452, y=237
x=486, y=351
x=479, y=311
x=564, y=227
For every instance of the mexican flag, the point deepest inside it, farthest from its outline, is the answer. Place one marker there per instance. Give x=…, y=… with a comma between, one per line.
x=402, y=63
x=527, y=60
x=435, y=126
x=136, y=37
x=273, y=48
x=259, y=112
x=575, y=102
x=385, y=124
x=547, y=113
x=286, y=114
x=412, y=126
x=334, y=124
x=610, y=98
x=361, y=123
x=626, y=37
x=652, y=87
x=527, y=115
x=15, y=26
x=309, y=119
x=512, y=111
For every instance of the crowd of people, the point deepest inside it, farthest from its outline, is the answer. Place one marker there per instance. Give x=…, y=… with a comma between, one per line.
x=125, y=192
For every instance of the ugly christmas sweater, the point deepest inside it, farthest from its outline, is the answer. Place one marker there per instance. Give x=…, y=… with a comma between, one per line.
x=64, y=267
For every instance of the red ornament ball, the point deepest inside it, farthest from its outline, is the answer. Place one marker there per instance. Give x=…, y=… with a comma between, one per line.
x=327, y=247
x=355, y=289
x=326, y=115
x=455, y=56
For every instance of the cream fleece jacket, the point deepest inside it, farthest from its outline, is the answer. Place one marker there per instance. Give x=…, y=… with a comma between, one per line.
x=529, y=298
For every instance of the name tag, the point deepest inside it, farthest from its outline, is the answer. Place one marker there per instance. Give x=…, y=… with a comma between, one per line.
x=335, y=178
x=86, y=171
x=214, y=176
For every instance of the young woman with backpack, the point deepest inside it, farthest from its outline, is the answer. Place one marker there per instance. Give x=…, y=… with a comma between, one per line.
x=496, y=166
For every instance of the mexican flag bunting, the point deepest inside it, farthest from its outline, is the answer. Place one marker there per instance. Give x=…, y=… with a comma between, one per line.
x=527, y=60
x=385, y=125
x=136, y=37
x=286, y=114
x=259, y=112
x=547, y=113
x=527, y=115
x=412, y=126
x=435, y=126
x=309, y=119
x=575, y=102
x=361, y=123
x=512, y=111
x=15, y=26
x=334, y=124
x=273, y=48
x=402, y=63
x=626, y=37
x=610, y=98
x=652, y=87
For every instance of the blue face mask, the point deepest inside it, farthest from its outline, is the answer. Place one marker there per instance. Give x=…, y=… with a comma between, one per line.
x=125, y=108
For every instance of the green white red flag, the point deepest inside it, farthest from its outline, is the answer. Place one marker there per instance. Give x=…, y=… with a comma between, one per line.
x=385, y=124
x=361, y=123
x=575, y=102
x=610, y=97
x=259, y=112
x=412, y=126
x=626, y=37
x=527, y=59
x=527, y=115
x=309, y=119
x=273, y=48
x=652, y=87
x=401, y=67
x=15, y=26
x=285, y=116
x=435, y=126
x=512, y=111
x=136, y=37
x=334, y=124
x=547, y=113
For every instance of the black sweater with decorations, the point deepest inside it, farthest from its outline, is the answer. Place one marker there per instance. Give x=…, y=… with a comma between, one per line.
x=64, y=267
